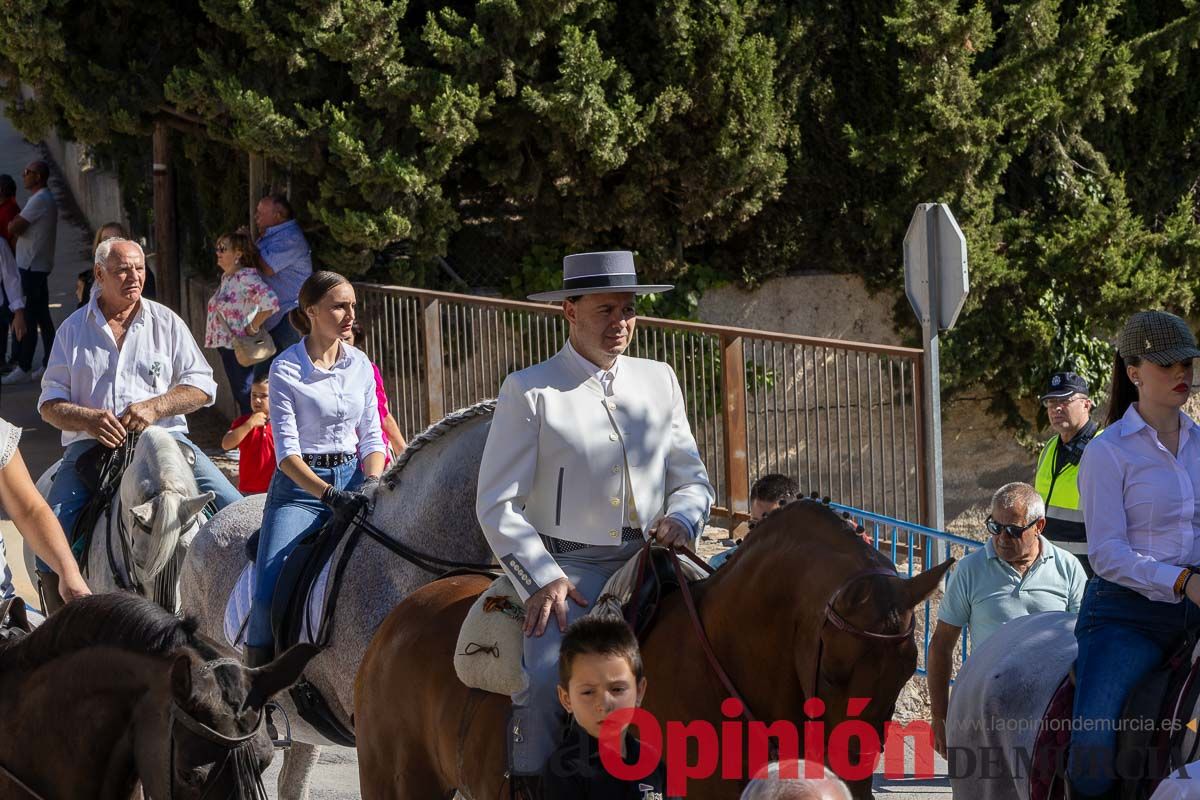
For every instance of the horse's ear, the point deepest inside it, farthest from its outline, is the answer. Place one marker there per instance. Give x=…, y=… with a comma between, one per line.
x=281, y=673
x=144, y=513
x=192, y=506
x=181, y=677
x=920, y=587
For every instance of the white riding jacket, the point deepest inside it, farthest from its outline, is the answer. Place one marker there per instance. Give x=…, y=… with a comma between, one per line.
x=556, y=458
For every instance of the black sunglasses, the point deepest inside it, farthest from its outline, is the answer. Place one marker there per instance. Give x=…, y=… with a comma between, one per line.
x=1015, y=531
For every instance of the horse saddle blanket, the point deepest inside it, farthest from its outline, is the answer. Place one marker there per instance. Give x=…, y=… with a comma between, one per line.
x=237, y=607
x=1156, y=715
x=490, y=645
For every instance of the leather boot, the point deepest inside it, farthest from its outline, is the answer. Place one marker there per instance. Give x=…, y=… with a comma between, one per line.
x=52, y=601
x=525, y=787
x=257, y=656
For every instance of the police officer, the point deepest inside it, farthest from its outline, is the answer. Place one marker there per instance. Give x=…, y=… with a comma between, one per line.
x=1069, y=407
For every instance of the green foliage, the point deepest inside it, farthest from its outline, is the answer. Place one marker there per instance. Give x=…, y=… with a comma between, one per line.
x=730, y=141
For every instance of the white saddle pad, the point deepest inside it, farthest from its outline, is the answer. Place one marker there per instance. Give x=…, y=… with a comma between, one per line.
x=488, y=653
x=237, y=608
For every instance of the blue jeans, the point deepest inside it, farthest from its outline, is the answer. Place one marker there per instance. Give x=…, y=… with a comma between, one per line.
x=240, y=378
x=68, y=494
x=1122, y=637
x=290, y=514
x=537, y=715
x=284, y=336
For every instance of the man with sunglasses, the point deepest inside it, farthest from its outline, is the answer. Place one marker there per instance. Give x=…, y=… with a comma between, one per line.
x=1069, y=408
x=1017, y=572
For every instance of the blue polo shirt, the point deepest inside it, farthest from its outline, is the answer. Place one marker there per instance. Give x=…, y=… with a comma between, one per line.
x=984, y=591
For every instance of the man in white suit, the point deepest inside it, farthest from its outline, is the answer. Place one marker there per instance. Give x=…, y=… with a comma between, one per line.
x=585, y=449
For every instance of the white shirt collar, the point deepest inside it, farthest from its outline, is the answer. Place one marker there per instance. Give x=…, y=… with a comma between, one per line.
x=1132, y=421
x=307, y=367
x=590, y=368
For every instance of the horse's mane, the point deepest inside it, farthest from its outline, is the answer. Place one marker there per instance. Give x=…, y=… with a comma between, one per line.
x=436, y=431
x=119, y=619
x=774, y=532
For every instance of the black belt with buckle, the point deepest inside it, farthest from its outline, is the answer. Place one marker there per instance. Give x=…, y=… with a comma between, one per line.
x=559, y=546
x=327, y=460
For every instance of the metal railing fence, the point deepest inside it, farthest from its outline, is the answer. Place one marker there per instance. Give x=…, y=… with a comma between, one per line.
x=897, y=538
x=844, y=418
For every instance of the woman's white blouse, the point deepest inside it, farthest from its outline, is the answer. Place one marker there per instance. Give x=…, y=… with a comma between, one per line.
x=1139, y=505
x=314, y=410
x=10, y=436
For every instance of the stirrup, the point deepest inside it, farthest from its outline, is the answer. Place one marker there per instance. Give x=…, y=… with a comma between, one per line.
x=279, y=743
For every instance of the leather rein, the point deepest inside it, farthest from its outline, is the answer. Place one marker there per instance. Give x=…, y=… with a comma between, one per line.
x=831, y=617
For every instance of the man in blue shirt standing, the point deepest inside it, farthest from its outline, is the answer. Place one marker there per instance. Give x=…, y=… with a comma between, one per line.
x=1018, y=571
x=285, y=261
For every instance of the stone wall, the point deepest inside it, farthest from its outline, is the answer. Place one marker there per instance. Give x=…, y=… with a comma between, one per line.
x=978, y=454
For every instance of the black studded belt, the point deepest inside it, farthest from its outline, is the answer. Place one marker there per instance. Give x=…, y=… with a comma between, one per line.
x=558, y=546
x=328, y=460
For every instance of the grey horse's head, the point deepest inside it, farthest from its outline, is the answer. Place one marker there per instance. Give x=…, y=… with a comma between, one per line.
x=161, y=505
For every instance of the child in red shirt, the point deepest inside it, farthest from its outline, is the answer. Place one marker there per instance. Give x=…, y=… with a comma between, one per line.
x=251, y=435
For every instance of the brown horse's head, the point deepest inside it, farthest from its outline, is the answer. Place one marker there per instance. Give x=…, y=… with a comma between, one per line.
x=216, y=742
x=836, y=611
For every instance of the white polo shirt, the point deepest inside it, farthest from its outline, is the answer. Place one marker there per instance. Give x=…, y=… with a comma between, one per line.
x=158, y=354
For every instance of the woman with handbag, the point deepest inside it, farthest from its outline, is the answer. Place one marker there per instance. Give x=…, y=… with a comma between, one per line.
x=328, y=442
x=236, y=312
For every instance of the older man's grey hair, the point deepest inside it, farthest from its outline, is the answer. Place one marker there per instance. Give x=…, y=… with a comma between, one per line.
x=773, y=787
x=1017, y=496
x=105, y=248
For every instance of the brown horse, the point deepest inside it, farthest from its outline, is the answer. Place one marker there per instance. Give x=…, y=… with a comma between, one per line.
x=803, y=602
x=113, y=690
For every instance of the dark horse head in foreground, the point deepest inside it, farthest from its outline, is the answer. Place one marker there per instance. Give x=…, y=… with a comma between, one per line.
x=804, y=609
x=113, y=690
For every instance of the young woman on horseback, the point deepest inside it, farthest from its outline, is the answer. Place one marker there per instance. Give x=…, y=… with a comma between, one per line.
x=1139, y=482
x=327, y=438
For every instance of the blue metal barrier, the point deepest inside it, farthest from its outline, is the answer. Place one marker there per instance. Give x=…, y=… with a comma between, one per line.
x=916, y=539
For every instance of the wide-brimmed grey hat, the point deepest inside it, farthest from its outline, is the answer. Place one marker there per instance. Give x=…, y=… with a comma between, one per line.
x=597, y=273
x=1158, y=337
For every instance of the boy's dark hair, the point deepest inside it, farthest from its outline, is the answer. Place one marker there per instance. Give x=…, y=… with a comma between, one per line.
x=774, y=487
x=264, y=378
x=602, y=636
x=8, y=186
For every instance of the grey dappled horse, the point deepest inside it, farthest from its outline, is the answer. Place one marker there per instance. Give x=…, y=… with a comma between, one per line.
x=998, y=701
x=157, y=511
x=426, y=499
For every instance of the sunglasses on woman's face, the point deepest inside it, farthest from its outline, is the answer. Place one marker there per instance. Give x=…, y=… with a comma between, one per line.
x=222, y=248
x=997, y=528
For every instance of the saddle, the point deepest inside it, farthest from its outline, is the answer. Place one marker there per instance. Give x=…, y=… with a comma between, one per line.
x=488, y=653
x=302, y=608
x=1147, y=745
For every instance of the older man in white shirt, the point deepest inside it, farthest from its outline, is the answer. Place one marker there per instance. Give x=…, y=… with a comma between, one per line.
x=119, y=365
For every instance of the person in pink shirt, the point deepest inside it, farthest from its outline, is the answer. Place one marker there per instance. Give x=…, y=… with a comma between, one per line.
x=393, y=440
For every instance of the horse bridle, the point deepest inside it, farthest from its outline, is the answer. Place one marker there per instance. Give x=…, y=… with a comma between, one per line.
x=237, y=749
x=238, y=755
x=831, y=617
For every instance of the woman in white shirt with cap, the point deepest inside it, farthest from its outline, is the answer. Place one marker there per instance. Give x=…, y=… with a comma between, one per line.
x=328, y=443
x=1139, y=481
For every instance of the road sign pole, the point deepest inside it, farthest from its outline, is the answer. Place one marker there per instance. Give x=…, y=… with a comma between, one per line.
x=934, y=500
